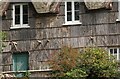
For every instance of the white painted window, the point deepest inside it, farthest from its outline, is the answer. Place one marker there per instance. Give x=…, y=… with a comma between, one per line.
x=72, y=12
x=115, y=52
x=20, y=15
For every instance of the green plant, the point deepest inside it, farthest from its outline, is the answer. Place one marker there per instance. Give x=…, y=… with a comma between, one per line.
x=27, y=74
x=63, y=60
x=3, y=36
x=76, y=73
x=97, y=63
x=91, y=62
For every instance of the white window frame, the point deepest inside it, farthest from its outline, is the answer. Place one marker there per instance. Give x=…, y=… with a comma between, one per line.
x=73, y=22
x=118, y=52
x=21, y=25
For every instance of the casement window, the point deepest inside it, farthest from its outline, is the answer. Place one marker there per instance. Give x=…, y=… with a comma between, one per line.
x=72, y=12
x=115, y=52
x=20, y=62
x=20, y=15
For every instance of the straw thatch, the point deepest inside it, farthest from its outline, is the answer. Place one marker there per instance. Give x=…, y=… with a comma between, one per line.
x=90, y=4
x=3, y=7
x=53, y=6
x=40, y=7
x=46, y=7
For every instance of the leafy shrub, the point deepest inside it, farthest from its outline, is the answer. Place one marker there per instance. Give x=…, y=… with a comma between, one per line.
x=64, y=60
x=90, y=62
x=3, y=36
x=97, y=63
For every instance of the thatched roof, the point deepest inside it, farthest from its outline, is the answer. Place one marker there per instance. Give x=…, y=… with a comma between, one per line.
x=97, y=4
x=53, y=7
x=3, y=7
x=46, y=7
x=40, y=7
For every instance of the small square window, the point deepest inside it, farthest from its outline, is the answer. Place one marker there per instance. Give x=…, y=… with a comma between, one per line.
x=115, y=52
x=20, y=15
x=72, y=10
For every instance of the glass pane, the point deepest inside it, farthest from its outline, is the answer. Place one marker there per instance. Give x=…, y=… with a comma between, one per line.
x=76, y=4
x=17, y=14
x=69, y=6
x=25, y=14
x=17, y=19
x=17, y=9
x=69, y=16
x=111, y=51
x=76, y=15
x=25, y=19
x=119, y=54
x=115, y=56
x=115, y=51
x=25, y=9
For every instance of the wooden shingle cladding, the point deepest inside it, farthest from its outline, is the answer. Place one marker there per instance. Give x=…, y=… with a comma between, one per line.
x=100, y=24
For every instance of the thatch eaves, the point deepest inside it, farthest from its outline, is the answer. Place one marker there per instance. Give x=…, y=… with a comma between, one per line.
x=97, y=4
x=3, y=7
x=47, y=7
x=40, y=7
x=53, y=6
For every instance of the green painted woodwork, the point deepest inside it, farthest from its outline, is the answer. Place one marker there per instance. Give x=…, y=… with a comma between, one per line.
x=20, y=62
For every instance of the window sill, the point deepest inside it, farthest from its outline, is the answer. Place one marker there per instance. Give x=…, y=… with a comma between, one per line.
x=42, y=70
x=118, y=20
x=73, y=23
x=19, y=27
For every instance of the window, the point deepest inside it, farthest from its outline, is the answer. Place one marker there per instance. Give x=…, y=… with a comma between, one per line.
x=115, y=52
x=72, y=12
x=20, y=62
x=20, y=15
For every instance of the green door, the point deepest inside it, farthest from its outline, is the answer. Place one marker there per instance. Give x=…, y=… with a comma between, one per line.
x=20, y=62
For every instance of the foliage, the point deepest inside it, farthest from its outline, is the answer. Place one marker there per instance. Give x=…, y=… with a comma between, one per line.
x=64, y=60
x=97, y=63
x=78, y=72
x=3, y=36
x=90, y=62
x=27, y=74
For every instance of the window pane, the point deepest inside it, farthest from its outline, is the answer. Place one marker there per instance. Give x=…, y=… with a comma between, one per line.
x=119, y=54
x=115, y=56
x=76, y=4
x=69, y=6
x=17, y=14
x=25, y=19
x=25, y=14
x=17, y=19
x=111, y=51
x=17, y=9
x=115, y=51
x=25, y=9
x=69, y=16
x=76, y=15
